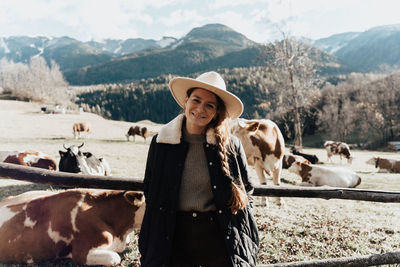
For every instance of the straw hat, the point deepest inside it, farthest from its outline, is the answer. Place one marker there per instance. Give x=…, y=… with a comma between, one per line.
x=212, y=82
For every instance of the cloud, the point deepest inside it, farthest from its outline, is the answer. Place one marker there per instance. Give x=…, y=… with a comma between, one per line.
x=212, y=4
x=84, y=18
x=182, y=16
x=257, y=19
x=179, y=22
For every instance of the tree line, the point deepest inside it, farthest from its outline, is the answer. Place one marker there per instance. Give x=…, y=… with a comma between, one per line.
x=356, y=108
x=362, y=108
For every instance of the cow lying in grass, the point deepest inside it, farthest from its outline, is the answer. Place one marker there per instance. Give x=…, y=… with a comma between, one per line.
x=87, y=225
x=312, y=175
x=312, y=158
x=29, y=158
x=75, y=161
x=288, y=160
x=385, y=165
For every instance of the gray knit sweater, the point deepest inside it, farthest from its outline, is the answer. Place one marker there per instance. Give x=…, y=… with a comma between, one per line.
x=195, y=193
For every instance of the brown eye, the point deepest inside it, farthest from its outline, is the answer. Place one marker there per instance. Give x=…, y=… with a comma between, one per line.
x=210, y=106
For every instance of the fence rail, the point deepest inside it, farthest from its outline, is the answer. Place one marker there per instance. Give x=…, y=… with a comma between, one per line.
x=359, y=261
x=36, y=175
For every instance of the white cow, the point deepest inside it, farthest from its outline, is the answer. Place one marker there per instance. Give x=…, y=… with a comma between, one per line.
x=312, y=175
x=264, y=146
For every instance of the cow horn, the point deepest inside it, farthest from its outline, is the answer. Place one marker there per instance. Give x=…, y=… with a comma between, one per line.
x=81, y=145
x=65, y=147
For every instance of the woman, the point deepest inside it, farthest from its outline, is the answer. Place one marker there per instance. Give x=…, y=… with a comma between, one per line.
x=197, y=211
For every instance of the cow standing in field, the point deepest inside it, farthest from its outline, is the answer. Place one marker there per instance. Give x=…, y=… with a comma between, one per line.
x=264, y=146
x=133, y=131
x=338, y=148
x=137, y=130
x=29, y=158
x=75, y=161
x=385, y=165
x=87, y=225
x=312, y=175
x=79, y=127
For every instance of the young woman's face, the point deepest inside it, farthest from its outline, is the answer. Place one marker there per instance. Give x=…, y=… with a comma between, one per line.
x=200, y=109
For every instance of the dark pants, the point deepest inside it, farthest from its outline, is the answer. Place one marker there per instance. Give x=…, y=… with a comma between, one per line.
x=198, y=241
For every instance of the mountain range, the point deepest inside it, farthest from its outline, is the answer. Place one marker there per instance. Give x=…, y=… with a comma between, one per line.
x=211, y=46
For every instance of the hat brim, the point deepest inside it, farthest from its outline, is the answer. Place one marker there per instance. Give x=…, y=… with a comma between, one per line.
x=180, y=85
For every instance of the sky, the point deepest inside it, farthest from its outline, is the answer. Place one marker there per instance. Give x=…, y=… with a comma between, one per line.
x=259, y=20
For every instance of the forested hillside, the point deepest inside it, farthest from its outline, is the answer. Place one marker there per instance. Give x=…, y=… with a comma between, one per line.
x=151, y=99
x=307, y=91
x=362, y=108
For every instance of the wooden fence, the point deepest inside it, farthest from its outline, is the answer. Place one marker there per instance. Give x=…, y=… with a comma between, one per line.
x=36, y=175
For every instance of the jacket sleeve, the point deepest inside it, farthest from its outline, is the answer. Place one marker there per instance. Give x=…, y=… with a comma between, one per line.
x=149, y=166
x=242, y=161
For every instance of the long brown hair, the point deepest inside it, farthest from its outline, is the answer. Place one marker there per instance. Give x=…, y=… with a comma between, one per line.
x=221, y=126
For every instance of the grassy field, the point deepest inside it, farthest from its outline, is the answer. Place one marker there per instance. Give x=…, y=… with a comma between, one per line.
x=304, y=229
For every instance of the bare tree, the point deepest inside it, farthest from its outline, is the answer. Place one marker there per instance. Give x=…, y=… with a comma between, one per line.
x=35, y=81
x=12, y=76
x=293, y=68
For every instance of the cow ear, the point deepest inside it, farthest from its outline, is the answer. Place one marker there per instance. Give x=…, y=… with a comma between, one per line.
x=241, y=124
x=135, y=198
x=87, y=154
x=253, y=126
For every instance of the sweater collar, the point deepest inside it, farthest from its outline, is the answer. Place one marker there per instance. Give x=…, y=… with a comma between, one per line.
x=171, y=133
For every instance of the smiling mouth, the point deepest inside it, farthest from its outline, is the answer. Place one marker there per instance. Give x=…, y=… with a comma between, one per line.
x=198, y=116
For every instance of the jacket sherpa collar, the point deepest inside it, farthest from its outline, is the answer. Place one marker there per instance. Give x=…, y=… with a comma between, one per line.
x=171, y=133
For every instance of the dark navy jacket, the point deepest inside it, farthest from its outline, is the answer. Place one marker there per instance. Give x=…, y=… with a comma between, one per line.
x=165, y=162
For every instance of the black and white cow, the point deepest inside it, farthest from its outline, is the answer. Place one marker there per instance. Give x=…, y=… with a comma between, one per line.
x=312, y=158
x=75, y=161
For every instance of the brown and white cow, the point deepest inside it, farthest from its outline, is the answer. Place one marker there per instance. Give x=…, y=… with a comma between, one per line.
x=288, y=160
x=137, y=130
x=133, y=131
x=338, y=148
x=80, y=127
x=29, y=158
x=312, y=175
x=385, y=165
x=141, y=131
x=87, y=225
x=264, y=146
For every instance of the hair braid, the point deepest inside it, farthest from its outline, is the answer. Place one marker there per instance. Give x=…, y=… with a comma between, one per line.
x=239, y=197
x=220, y=124
x=221, y=140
